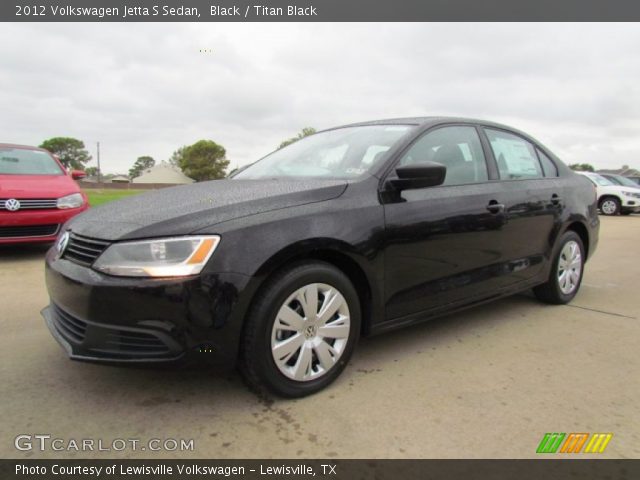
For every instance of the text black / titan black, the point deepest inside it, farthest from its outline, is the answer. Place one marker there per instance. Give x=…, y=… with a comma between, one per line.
x=353, y=231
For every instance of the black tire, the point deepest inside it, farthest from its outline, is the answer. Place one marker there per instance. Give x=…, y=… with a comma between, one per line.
x=550, y=291
x=609, y=206
x=256, y=359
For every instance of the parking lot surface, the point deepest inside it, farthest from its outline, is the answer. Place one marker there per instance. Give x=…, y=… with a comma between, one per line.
x=485, y=383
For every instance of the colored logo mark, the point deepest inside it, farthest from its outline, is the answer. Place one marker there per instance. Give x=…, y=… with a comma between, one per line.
x=574, y=443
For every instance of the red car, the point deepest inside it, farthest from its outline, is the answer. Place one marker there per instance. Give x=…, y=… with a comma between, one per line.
x=37, y=195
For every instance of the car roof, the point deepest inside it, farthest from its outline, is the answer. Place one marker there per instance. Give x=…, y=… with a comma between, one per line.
x=426, y=121
x=23, y=147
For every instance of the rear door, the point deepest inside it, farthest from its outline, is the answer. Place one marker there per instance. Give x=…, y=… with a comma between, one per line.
x=532, y=196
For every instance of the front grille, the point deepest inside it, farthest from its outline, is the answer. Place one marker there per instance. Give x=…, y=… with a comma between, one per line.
x=84, y=250
x=32, y=203
x=106, y=341
x=70, y=327
x=134, y=344
x=27, y=231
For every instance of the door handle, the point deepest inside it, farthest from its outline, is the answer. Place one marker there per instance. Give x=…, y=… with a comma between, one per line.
x=555, y=199
x=495, y=207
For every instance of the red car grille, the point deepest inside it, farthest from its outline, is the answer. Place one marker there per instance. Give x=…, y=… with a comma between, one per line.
x=29, y=231
x=32, y=203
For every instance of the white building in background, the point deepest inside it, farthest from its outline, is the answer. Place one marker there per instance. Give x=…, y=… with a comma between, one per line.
x=163, y=173
x=119, y=179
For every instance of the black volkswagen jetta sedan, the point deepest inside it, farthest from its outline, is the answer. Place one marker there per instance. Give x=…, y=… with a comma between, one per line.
x=352, y=231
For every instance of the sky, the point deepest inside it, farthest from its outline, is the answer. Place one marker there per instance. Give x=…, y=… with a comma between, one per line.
x=147, y=89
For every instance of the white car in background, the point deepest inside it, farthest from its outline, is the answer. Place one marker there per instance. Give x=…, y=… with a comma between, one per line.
x=620, y=180
x=614, y=199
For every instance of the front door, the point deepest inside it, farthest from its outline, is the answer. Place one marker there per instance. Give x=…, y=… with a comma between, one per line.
x=444, y=244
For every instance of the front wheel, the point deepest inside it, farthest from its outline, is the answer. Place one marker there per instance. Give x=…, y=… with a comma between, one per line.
x=610, y=206
x=566, y=271
x=301, y=330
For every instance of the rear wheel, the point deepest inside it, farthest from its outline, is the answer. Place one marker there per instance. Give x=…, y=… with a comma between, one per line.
x=610, y=206
x=566, y=272
x=301, y=330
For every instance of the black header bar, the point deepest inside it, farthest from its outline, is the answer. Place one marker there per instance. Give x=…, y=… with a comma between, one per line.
x=547, y=469
x=319, y=10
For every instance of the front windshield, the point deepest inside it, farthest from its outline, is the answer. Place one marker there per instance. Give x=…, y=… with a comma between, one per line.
x=343, y=153
x=624, y=181
x=600, y=180
x=20, y=161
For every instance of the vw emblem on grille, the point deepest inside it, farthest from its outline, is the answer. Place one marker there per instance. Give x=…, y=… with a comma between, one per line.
x=61, y=244
x=12, y=205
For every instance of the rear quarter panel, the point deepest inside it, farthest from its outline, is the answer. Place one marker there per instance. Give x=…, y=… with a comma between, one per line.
x=581, y=206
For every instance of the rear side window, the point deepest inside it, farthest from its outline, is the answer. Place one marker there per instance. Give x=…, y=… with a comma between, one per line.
x=516, y=158
x=548, y=167
x=457, y=148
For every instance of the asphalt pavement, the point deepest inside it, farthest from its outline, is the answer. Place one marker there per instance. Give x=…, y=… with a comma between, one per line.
x=485, y=383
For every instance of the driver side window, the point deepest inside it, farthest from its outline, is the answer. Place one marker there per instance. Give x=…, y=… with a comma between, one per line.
x=458, y=148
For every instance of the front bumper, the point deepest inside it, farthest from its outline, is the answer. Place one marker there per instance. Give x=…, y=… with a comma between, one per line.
x=38, y=226
x=632, y=206
x=102, y=318
x=630, y=203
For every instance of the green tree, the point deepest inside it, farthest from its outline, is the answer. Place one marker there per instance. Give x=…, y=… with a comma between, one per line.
x=176, y=156
x=305, y=132
x=582, y=167
x=91, y=171
x=70, y=151
x=142, y=163
x=204, y=160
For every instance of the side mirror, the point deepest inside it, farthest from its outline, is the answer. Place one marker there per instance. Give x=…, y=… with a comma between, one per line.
x=428, y=174
x=77, y=174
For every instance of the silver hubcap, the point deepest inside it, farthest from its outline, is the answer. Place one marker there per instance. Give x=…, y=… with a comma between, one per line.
x=569, y=267
x=608, y=207
x=310, y=332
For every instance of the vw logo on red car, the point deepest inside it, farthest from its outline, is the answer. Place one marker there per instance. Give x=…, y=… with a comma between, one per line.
x=12, y=205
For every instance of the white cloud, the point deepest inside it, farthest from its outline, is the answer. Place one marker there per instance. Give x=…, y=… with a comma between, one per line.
x=146, y=89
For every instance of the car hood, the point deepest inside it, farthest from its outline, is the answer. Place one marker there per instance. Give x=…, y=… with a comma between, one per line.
x=36, y=186
x=189, y=208
x=613, y=189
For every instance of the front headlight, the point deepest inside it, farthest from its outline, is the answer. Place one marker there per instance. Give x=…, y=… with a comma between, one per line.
x=74, y=200
x=631, y=194
x=166, y=257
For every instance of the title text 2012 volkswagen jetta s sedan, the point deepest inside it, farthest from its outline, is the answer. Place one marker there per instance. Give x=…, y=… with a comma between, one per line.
x=352, y=231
